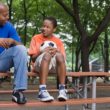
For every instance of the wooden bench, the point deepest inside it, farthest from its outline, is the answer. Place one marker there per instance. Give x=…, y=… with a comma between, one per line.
x=35, y=103
x=93, y=100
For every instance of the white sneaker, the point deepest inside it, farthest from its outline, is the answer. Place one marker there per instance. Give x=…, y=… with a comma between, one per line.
x=62, y=95
x=45, y=96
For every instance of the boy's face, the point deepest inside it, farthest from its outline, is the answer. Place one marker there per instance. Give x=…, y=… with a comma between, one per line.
x=4, y=15
x=47, y=28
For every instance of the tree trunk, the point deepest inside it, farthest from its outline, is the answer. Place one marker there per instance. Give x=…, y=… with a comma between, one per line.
x=85, y=55
x=9, y=3
x=25, y=22
x=106, y=55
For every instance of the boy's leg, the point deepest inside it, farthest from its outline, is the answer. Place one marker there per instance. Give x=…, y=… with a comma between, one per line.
x=61, y=70
x=43, y=73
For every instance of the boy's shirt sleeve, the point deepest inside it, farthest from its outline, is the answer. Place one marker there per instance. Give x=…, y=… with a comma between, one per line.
x=63, y=50
x=34, y=47
x=61, y=47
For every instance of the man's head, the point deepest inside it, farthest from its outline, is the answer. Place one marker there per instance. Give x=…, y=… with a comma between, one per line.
x=49, y=26
x=4, y=13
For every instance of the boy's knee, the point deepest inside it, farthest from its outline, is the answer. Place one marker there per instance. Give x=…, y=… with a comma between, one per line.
x=46, y=57
x=59, y=57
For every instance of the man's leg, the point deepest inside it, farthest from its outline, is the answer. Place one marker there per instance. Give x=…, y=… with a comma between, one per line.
x=16, y=56
x=6, y=62
x=20, y=67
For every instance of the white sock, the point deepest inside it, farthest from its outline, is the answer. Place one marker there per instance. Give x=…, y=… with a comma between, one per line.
x=40, y=86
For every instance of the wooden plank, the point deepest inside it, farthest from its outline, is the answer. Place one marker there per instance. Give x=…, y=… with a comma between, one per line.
x=73, y=74
x=36, y=103
x=90, y=74
x=34, y=91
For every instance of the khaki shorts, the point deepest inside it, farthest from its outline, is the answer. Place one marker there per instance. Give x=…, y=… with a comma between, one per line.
x=52, y=65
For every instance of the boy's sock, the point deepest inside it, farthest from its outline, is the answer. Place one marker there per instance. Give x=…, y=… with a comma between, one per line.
x=42, y=87
x=61, y=86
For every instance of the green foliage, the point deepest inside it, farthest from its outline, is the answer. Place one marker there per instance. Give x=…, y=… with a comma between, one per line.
x=91, y=13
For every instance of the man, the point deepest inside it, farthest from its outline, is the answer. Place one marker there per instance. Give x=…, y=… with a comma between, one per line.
x=12, y=54
x=49, y=60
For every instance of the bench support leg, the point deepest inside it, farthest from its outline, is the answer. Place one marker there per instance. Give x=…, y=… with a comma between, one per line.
x=66, y=107
x=94, y=92
x=85, y=92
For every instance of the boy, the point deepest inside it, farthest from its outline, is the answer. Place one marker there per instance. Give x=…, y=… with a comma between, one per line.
x=44, y=58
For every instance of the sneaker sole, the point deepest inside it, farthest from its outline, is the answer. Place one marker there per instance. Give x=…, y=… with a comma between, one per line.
x=18, y=102
x=61, y=98
x=46, y=100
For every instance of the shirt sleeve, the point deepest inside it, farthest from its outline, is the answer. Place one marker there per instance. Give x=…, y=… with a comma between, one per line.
x=13, y=33
x=34, y=47
x=62, y=49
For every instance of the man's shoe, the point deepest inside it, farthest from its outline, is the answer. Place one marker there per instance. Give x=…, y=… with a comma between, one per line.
x=62, y=95
x=45, y=96
x=18, y=97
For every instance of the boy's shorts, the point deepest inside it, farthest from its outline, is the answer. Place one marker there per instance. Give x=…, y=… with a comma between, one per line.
x=52, y=65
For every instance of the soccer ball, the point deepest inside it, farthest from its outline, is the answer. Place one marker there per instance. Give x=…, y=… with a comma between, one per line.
x=47, y=44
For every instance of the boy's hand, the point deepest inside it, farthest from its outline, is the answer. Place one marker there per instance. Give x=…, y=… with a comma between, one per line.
x=50, y=50
x=53, y=51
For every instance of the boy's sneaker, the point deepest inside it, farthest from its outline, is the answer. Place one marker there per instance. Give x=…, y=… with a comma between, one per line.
x=18, y=97
x=62, y=95
x=45, y=96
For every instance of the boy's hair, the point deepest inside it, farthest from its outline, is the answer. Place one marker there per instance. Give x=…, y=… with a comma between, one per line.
x=53, y=20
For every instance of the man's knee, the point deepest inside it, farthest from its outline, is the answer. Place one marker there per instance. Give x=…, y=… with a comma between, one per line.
x=20, y=48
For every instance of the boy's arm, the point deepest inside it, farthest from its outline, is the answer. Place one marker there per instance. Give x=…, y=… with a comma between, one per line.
x=34, y=56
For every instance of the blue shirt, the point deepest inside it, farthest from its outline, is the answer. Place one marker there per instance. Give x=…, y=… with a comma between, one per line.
x=8, y=31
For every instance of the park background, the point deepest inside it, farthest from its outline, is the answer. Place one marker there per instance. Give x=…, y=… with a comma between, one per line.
x=83, y=26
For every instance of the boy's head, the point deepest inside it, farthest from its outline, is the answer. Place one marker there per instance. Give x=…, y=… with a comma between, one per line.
x=49, y=26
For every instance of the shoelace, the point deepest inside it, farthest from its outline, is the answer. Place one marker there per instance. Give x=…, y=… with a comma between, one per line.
x=63, y=92
x=21, y=96
x=45, y=93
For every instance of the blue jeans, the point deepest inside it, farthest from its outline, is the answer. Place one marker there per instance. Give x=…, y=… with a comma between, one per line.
x=16, y=57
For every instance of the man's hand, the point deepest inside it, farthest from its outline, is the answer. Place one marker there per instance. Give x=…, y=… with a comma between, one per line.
x=6, y=42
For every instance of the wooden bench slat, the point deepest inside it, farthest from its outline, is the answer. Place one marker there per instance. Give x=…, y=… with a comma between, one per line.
x=73, y=74
x=34, y=91
x=35, y=103
x=79, y=74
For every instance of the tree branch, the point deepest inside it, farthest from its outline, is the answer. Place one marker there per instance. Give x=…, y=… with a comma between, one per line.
x=77, y=20
x=103, y=24
x=67, y=9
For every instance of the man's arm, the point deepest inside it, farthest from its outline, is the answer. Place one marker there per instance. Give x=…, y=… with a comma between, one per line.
x=7, y=42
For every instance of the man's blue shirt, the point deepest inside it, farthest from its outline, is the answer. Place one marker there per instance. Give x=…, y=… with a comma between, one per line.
x=8, y=31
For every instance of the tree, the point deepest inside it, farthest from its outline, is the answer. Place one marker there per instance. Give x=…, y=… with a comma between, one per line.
x=87, y=42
